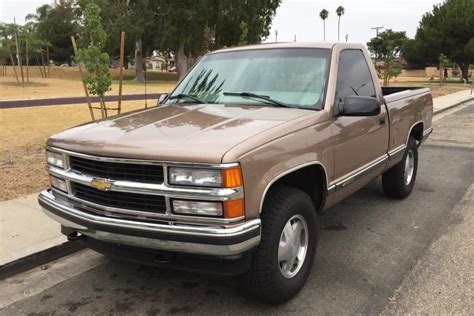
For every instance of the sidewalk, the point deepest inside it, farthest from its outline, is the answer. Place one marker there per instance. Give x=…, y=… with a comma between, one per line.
x=448, y=101
x=26, y=230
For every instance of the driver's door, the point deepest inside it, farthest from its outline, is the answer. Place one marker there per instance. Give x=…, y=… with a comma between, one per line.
x=360, y=142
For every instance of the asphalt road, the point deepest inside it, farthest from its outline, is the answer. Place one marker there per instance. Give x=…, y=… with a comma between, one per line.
x=369, y=247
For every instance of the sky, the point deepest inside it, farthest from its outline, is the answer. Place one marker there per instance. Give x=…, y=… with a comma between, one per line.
x=301, y=17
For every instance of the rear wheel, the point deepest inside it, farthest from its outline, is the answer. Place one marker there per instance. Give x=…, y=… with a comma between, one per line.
x=284, y=258
x=398, y=182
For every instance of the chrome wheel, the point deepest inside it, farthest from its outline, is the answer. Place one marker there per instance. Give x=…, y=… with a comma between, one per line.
x=293, y=246
x=409, y=167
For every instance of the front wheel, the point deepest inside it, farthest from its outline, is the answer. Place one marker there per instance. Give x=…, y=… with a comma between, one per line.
x=284, y=258
x=398, y=182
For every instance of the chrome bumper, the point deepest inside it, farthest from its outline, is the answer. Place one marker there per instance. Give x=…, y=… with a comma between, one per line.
x=220, y=240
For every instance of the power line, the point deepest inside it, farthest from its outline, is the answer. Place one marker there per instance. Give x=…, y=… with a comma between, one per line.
x=377, y=28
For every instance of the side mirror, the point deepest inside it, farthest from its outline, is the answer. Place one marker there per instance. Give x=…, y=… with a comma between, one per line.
x=359, y=106
x=162, y=98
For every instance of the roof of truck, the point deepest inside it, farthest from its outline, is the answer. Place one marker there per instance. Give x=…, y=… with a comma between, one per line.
x=326, y=45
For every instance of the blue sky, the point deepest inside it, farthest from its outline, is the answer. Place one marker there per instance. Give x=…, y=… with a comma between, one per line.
x=301, y=17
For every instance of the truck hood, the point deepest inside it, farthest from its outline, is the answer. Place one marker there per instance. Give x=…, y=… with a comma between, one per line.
x=185, y=133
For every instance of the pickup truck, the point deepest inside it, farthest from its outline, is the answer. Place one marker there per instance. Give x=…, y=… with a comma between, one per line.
x=229, y=172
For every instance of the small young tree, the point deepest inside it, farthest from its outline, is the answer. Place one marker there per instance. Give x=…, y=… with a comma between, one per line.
x=96, y=62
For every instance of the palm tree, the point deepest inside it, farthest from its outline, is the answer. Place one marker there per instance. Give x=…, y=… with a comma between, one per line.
x=339, y=11
x=324, y=15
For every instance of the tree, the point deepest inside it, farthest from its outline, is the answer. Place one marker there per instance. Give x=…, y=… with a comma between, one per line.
x=324, y=15
x=387, y=47
x=447, y=29
x=96, y=62
x=55, y=26
x=386, y=44
x=339, y=11
x=191, y=28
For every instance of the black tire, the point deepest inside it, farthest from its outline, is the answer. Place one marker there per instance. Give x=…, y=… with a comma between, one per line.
x=265, y=281
x=393, y=180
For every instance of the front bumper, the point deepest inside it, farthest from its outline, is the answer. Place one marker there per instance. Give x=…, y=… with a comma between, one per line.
x=228, y=240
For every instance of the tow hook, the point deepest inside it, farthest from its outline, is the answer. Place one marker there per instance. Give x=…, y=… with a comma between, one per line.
x=75, y=236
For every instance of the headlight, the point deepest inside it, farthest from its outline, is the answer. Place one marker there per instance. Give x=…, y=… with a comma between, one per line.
x=55, y=159
x=185, y=207
x=217, y=178
x=195, y=177
x=57, y=183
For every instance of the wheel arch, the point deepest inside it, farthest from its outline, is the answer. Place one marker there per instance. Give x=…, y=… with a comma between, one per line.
x=310, y=177
x=416, y=131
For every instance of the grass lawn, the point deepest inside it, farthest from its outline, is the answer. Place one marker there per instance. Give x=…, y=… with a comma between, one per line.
x=23, y=137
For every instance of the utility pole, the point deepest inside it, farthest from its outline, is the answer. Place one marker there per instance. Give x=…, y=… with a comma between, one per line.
x=276, y=36
x=377, y=28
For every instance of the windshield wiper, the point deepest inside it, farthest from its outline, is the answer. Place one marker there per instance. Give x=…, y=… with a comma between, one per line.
x=257, y=96
x=189, y=96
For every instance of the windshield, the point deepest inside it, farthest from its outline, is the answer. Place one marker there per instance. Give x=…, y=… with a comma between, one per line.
x=292, y=76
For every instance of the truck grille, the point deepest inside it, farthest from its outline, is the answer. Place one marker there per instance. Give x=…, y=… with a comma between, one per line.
x=131, y=201
x=118, y=171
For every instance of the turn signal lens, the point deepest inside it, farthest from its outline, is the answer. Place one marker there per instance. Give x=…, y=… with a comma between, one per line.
x=232, y=177
x=234, y=208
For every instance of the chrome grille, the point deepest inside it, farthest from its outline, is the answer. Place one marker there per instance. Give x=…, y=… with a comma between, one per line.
x=118, y=171
x=132, y=201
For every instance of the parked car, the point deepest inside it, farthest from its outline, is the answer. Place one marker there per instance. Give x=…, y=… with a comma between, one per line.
x=229, y=173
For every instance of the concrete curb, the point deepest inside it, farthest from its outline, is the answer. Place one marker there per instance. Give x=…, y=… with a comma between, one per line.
x=34, y=260
x=453, y=106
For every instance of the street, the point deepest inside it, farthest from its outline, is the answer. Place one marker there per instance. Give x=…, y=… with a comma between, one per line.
x=368, y=248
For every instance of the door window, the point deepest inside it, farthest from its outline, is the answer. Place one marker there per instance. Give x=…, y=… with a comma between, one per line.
x=353, y=76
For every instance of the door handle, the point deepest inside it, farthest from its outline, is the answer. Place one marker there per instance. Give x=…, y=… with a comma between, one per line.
x=382, y=119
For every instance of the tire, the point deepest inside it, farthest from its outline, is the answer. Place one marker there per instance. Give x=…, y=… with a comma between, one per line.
x=396, y=182
x=266, y=278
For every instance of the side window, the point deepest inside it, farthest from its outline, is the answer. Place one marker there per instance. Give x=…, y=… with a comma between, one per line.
x=353, y=76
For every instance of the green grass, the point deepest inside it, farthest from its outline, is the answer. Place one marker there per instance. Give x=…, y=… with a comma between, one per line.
x=167, y=77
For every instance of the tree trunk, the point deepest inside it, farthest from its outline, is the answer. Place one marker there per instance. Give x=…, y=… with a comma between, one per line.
x=27, y=59
x=39, y=65
x=338, y=28
x=139, y=75
x=14, y=67
x=44, y=67
x=465, y=71
x=324, y=27
x=181, y=59
x=18, y=57
x=47, y=58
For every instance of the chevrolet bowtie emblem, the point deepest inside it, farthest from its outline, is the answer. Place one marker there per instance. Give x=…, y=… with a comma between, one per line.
x=101, y=184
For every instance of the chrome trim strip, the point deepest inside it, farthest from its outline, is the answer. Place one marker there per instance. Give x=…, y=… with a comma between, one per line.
x=134, y=215
x=397, y=152
x=187, y=247
x=346, y=180
x=287, y=172
x=143, y=161
x=427, y=132
x=212, y=194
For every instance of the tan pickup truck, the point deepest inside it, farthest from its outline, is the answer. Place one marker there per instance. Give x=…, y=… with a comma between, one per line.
x=229, y=172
